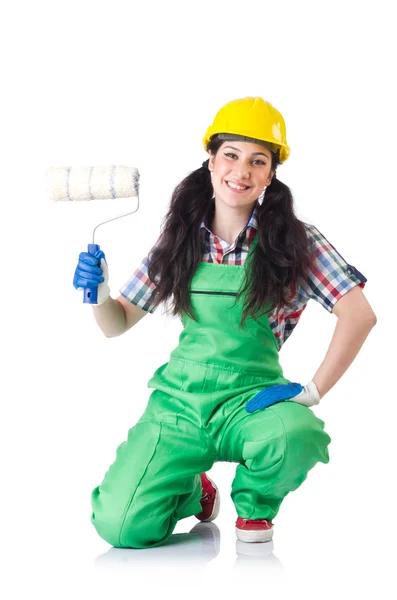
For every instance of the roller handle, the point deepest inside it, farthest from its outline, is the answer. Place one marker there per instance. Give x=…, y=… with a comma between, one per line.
x=91, y=294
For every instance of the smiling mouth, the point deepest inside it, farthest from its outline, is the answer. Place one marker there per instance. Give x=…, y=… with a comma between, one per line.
x=237, y=188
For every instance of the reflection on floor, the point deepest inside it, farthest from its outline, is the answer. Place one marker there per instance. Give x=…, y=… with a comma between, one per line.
x=200, y=546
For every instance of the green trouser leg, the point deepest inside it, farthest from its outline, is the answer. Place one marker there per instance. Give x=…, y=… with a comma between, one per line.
x=153, y=483
x=276, y=447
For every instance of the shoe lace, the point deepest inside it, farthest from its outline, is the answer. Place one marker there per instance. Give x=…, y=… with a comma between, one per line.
x=207, y=496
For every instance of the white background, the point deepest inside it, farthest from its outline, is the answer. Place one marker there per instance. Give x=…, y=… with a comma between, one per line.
x=89, y=83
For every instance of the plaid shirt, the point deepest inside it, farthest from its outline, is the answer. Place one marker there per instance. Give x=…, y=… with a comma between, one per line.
x=329, y=279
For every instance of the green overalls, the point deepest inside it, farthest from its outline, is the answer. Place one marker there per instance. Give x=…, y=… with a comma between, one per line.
x=196, y=416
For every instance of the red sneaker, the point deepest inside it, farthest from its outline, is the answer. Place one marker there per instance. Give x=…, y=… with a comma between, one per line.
x=210, y=500
x=259, y=530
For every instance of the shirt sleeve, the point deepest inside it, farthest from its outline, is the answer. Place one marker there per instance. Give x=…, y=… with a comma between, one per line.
x=139, y=289
x=331, y=276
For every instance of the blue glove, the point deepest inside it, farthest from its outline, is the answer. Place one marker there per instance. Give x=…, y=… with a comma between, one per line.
x=91, y=272
x=273, y=394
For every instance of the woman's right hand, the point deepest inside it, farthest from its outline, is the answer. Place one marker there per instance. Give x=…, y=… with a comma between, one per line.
x=91, y=272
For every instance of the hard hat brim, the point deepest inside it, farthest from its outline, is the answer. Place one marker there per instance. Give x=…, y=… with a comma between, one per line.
x=245, y=138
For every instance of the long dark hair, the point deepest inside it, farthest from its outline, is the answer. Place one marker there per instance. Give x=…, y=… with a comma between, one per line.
x=279, y=263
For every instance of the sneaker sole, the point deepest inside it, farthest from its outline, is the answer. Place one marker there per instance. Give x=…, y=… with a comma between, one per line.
x=254, y=535
x=217, y=504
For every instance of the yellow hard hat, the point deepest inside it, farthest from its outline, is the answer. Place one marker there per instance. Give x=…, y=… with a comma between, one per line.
x=252, y=118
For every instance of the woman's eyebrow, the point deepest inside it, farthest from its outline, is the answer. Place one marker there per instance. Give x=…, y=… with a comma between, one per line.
x=252, y=154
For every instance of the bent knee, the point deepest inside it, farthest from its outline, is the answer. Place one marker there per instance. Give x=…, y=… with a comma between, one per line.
x=135, y=535
x=301, y=424
x=128, y=529
x=308, y=440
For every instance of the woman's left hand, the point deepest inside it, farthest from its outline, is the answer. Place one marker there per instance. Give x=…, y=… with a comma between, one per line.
x=307, y=395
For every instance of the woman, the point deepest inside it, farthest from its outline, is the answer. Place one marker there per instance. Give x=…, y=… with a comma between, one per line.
x=240, y=273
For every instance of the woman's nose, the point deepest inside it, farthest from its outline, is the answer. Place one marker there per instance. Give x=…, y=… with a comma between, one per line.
x=241, y=171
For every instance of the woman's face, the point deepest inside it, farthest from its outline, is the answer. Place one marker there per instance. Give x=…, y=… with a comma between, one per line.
x=241, y=164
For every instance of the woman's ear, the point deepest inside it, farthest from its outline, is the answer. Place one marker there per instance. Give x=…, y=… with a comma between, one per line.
x=270, y=178
x=211, y=162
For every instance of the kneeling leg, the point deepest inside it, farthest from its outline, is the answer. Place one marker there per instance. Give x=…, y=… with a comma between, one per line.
x=153, y=483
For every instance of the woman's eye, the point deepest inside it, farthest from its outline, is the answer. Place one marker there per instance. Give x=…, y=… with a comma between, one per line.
x=258, y=160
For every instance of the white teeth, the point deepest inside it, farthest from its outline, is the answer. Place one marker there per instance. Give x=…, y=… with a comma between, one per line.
x=236, y=187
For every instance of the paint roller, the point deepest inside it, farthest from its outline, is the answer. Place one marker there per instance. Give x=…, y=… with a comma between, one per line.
x=93, y=183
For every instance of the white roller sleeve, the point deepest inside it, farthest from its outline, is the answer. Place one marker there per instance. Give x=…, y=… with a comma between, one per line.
x=92, y=183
